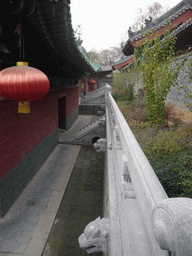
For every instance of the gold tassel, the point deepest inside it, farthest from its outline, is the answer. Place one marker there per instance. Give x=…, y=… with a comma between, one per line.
x=24, y=107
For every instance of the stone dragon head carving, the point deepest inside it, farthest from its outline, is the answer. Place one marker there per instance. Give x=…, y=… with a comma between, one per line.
x=101, y=121
x=100, y=145
x=94, y=237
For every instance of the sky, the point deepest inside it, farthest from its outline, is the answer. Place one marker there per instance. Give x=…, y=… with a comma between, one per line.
x=104, y=23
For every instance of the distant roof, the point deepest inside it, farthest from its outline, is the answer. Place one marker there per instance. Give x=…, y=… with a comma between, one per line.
x=96, y=66
x=182, y=30
x=125, y=60
x=105, y=68
x=180, y=13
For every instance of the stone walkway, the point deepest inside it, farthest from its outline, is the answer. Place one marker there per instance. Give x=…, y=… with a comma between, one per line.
x=81, y=204
x=26, y=226
x=49, y=199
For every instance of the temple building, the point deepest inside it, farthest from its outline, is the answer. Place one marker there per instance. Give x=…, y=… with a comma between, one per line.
x=37, y=33
x=179, y=21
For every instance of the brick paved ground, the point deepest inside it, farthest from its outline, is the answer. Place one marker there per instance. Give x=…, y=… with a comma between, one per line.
x=25, y=228
x=81, y=204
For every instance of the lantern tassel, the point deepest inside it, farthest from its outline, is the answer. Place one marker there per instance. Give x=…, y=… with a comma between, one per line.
x=24, y=107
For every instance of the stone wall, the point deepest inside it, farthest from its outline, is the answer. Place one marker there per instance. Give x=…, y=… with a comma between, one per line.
x=177, y=95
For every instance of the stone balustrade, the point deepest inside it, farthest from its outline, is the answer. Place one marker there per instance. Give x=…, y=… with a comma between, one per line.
x=139, y=218
x=142, y=219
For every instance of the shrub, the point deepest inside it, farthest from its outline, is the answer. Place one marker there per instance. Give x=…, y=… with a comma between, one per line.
x=130, y=92
x=169, y=152
x=168, y=149
x=174, y=173
x=124, y=94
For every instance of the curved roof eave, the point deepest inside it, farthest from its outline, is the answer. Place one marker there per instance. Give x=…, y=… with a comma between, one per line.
x=58, y=33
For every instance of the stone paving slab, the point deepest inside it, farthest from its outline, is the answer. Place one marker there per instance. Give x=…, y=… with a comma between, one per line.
x=25, y=228
x=82, y=203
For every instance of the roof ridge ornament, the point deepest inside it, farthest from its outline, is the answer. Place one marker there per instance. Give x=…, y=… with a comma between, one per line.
x=130, y=33
x=148, y=22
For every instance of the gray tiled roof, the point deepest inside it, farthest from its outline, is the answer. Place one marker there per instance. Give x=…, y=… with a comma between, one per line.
x=183, y=27
x=122, y=60
x=160, y=22
x=104, y=68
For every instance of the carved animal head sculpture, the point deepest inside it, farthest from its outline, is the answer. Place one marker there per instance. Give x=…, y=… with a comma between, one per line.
x=94, y=237
x=100, y=145
x=108, y=88
x=101, y=121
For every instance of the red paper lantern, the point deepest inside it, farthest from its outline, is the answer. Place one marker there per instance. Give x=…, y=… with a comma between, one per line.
x=91, y=82
x=23, y=84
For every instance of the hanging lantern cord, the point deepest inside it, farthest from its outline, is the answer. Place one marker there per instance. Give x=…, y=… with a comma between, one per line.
x=53, y=4
x=18, y=31
x=23, y=47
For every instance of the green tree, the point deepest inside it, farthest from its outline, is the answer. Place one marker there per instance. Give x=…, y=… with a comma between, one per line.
x=92, y=56
x=154, y=57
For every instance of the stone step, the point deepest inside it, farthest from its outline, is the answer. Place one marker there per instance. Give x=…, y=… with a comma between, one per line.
x=89, y=128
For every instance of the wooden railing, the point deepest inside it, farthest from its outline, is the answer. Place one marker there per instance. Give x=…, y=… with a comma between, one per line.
x=142, y=219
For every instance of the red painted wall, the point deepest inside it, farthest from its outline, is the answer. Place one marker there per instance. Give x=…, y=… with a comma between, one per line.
x=21, y=133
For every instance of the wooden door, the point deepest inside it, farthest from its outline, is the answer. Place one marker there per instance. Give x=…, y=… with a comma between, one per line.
x=62, y=112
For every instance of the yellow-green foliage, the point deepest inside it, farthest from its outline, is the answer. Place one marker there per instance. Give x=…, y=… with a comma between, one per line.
x=169, y=152
x=154, y=59
x=123, y=81
x=168, y=149
x=119, y=79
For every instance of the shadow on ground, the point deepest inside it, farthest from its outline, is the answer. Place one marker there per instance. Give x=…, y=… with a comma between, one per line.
x=81, y=204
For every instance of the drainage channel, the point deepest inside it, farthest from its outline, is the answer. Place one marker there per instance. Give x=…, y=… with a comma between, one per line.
x=81, y=204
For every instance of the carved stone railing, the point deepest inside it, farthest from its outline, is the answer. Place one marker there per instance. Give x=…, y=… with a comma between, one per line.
x=139, y=218
x=142, y=220
x=97, y=96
